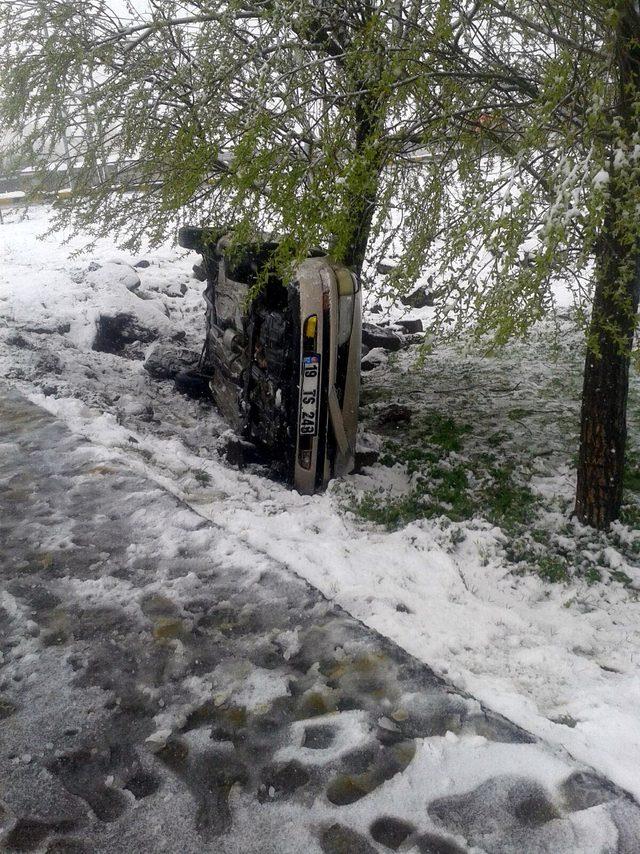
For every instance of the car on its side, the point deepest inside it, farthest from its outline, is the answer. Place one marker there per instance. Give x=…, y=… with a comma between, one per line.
x=284, y=364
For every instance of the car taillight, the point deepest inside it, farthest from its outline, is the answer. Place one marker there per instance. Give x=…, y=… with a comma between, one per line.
x=309, y=333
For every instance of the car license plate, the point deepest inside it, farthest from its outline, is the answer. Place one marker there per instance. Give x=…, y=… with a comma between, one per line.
x=310, y=395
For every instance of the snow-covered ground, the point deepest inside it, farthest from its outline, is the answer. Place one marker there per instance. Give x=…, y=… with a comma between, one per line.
x=467, y=596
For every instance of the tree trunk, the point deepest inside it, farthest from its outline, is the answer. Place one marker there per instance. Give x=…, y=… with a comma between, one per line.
x=360, y=218
x=604, y=397
x=361, y=202
x=610, y=340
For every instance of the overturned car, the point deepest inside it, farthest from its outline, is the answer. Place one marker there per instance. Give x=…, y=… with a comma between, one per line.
x=284, y=367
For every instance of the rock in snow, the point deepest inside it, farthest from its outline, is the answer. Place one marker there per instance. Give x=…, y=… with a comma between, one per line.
x=112, y=274
x=375, y=336
x=120, y=333
x=410, y=325
x=166, y=360
x=374, y=359
x=420, y=298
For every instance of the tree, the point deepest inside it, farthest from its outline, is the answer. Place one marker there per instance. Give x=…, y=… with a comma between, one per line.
x=545, y=185
x=617, y=291
x=291, y=115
